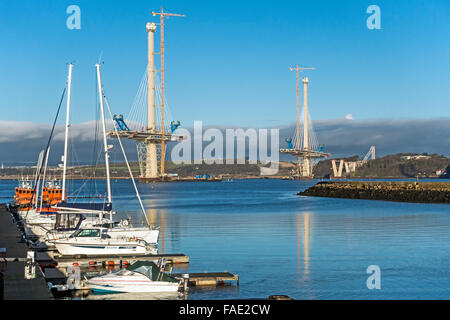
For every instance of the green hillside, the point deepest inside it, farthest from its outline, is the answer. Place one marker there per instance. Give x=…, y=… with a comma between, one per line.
x=402, y=165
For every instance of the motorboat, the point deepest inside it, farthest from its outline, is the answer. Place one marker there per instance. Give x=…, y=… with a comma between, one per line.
x=141, y=276
x=69, y=222
x=96, y=242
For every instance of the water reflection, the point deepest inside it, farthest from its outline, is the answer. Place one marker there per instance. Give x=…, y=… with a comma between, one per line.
x=138, y=296
x=163, y=230
x=152, y=216
x=298, y=243
x=252, y=228
x=306, y=241
x=305, y=230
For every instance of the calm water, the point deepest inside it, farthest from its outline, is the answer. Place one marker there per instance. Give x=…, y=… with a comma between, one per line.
x=304, y=247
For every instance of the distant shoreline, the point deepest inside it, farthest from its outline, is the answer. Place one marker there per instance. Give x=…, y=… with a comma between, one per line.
x=397, y=166
x=181, y=179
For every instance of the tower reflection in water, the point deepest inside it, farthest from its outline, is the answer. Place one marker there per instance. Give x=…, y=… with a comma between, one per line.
x=152, y=216
x=303, y=221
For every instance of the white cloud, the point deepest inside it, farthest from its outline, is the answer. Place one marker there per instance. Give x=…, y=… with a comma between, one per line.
x=20, y=142
x=349, y=117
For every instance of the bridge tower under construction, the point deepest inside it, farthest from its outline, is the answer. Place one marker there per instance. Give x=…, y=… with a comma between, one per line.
x=148, y=115
x=304, y=145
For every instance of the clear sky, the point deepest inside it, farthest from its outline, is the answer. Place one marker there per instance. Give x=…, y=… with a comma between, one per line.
x=227, y=61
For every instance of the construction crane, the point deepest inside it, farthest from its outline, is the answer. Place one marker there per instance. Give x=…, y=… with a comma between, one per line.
x=162, y=15
x=370, y=154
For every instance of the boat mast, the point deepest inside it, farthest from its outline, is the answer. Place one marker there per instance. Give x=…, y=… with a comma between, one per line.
x=128, y=165
x=66, y=138
x=38, y=177
x=43, y=178
x=105, y=145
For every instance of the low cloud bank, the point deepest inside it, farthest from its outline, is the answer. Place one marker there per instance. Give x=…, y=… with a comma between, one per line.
x=20, y=142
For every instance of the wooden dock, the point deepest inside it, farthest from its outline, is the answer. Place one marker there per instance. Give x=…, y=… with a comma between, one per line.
x=50, y=267
x=208, y=278
x=13, y=261
x=58, y=276
x=54, y=275
x=64, y=261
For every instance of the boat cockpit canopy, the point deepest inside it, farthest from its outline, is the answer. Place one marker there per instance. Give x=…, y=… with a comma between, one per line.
x=68, y=221
x=85, y=233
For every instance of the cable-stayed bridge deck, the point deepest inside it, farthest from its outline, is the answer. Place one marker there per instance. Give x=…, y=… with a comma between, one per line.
x=305, y=153
x=145, y=136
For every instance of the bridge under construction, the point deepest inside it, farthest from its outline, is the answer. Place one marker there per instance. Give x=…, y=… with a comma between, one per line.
x=304, y=145
x=350, y=166
x=148, y=121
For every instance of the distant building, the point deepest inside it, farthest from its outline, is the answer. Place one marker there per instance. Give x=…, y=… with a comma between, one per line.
x=415, y=157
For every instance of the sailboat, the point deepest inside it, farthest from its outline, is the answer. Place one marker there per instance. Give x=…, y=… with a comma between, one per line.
x=108, y=237
x=36, y=220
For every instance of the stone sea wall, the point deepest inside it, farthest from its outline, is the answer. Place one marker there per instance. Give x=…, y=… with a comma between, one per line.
x=414, y=191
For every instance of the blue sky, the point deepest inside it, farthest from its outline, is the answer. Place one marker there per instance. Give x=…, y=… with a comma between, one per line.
x=227, y=61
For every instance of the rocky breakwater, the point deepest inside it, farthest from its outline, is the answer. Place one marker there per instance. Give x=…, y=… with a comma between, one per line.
x=414, y=191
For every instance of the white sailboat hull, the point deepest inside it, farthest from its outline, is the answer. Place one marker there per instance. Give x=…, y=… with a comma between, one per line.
x=39, y=230
x=38, y=225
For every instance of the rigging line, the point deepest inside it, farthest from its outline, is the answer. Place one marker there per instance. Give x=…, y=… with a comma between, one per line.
x=126, y=161
x=79, y=190
x=46, y=148
x=140, y=106
x=93, y=184
x=137, y=98
x=75, y=160
x=136, y=108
